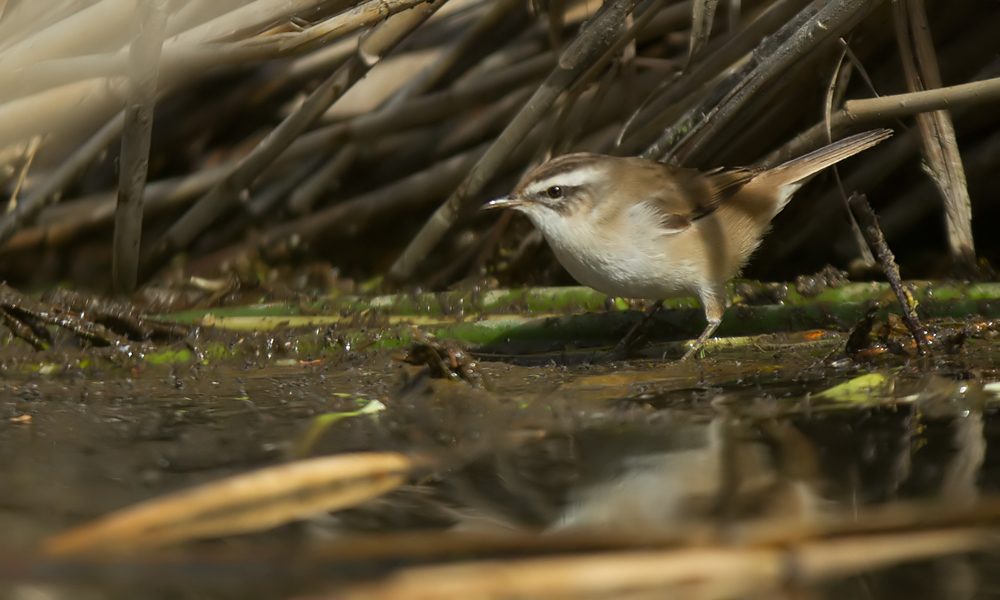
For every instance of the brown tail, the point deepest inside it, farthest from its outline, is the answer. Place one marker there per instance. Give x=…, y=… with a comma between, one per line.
x=797, y=169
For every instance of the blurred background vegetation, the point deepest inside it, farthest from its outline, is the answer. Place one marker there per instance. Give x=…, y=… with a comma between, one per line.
x=308, y=142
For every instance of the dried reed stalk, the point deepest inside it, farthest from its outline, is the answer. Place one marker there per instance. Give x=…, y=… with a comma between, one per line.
x=599, y=34
x=937, y=133
x=144, y=69
x=371, y=50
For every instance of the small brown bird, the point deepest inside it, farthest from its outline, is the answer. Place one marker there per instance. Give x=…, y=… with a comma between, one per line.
x=637, y=228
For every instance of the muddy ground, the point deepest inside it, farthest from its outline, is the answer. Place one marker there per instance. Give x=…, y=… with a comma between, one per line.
x=542, y=442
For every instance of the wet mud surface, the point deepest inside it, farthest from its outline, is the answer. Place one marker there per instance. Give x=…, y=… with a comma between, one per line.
x=545, y=442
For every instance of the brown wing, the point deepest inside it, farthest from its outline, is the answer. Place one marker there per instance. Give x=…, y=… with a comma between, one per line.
x=722, y=184
x=682, y=196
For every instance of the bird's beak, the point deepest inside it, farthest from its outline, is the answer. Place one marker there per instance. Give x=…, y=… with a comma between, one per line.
x=505, y=202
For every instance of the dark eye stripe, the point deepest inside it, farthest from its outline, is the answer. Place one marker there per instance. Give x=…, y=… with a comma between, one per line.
x=563, y=204
x=565, y=192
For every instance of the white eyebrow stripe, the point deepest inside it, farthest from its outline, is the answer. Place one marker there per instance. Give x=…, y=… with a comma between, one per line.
x=573, y=178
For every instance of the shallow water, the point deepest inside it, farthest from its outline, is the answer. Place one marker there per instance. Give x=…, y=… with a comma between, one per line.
x=553, y=444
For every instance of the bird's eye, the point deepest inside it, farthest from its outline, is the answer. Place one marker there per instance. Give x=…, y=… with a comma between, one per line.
x=554, y=192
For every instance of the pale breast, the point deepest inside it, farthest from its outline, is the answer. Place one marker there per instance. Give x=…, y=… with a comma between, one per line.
x=633, y=264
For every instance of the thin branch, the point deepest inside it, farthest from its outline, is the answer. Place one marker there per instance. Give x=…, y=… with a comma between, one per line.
x=29, y=157
x=865, y=216
x=600, y=33
x=858, y=113
x=144, y=68
x=797, y=38
x=560, y=128
x=653, y=115
x=48, y=192
x=866, y=254
x=409, y=194
x=877, y=165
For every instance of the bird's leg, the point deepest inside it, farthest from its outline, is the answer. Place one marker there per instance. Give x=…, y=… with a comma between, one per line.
x=625, y=345
x=715, y=307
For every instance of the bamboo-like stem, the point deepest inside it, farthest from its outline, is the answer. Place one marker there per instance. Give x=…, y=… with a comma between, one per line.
x=144, y=68
x=79, y=34
x=419, y=188
x=59, y=224
x=305, y=196
x=23, y=19
x=570, y=130
x=703, y=123
x=244, y=19
x=55, y=110
x=584, y=49
x=859, y=113
x=346, y=23
x=372, y=48
x=196, y=12
x=937, y=133
x=246, y=502
x=702, y=17
x=703, y=573
x=188, y=55
x=652, y=117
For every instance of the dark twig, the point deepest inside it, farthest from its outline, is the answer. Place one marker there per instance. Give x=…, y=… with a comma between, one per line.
x=565, y=132
x=372, y=48
x=144, y=68
x=652, y=116
x=598, y=35
x=21, y=330
x=625, y=345
x=48, y=192
x=122, y=318
x=797, y=38
x=22, y=314
x=585, y=80
x=866, y=254
x=873, y=235
x=354, y=214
